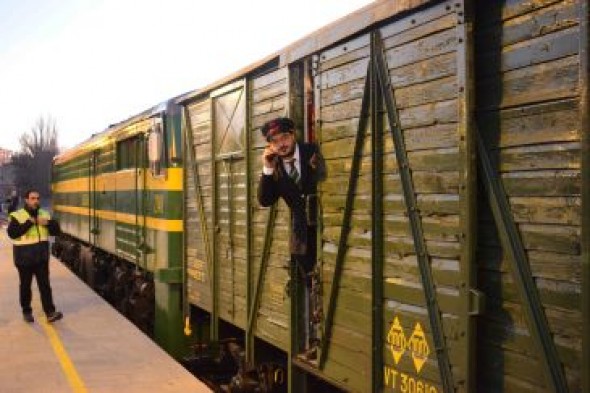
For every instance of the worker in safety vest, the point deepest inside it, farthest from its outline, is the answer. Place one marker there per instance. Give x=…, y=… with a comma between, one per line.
x=30, y=228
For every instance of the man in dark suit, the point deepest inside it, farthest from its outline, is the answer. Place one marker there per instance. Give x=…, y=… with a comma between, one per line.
x=291, y=170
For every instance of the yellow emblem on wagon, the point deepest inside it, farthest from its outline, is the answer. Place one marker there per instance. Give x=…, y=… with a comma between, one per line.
x=418, y=346
x=396, y=340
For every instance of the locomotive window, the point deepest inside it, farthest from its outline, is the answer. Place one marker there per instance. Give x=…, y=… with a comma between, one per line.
x=156, y=147
x=129, y=153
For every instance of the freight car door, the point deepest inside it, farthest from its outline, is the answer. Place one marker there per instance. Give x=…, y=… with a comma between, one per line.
x=230, y=204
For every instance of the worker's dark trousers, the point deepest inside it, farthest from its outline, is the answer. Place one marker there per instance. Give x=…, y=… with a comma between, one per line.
x=41, y=273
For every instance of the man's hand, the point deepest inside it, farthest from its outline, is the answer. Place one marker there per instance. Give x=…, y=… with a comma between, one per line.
x=268, y=157
x=33, y=220
x=42, y=221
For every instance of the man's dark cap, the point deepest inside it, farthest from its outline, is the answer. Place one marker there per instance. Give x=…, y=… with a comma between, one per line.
x=277, y=126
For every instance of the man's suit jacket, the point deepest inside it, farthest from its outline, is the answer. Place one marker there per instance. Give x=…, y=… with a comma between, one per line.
x=280, y=185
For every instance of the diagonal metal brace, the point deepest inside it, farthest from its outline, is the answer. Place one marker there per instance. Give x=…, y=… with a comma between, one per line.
x=270, y=224
x=434, y=313
x=192, y=166
x=345, y=229
x=521, y=271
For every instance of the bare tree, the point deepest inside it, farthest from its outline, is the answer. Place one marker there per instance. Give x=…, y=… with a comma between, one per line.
x=33, y=161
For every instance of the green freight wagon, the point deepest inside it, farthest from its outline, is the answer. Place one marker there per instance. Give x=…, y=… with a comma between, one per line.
x=453, y=239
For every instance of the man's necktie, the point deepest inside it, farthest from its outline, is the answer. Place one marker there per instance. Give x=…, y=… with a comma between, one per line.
x=292, y=171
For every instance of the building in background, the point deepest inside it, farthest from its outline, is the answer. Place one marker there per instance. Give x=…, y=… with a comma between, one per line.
x=7, y=176
x=5, y=156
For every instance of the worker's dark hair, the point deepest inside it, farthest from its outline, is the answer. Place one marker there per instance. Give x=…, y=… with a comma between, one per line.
x=29, y=191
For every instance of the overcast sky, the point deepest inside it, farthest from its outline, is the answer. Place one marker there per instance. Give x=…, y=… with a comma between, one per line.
x=90, y=63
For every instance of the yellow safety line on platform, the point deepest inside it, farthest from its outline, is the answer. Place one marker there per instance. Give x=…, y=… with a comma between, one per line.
x=64, y=360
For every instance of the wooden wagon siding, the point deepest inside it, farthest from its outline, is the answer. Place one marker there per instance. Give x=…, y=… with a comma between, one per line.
x=421, y=53
x=526, y=76
x=199, y=279
x=341, y=80
x=527, y=83
x=269, y=99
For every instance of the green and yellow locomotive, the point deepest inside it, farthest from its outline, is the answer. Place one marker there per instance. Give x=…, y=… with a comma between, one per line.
x=119, y=199
x=456, y=138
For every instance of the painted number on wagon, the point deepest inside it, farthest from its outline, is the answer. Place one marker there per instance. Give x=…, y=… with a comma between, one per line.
x=405, y=383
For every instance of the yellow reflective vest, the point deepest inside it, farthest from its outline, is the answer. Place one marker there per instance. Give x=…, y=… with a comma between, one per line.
x=36, y=233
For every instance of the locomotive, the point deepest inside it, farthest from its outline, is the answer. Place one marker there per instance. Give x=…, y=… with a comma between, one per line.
x=453, y=229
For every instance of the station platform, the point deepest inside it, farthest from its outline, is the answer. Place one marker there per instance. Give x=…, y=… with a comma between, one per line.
x=92, y=349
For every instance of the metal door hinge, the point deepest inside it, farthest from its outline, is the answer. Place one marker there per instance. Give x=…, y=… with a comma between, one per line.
x=477, y=302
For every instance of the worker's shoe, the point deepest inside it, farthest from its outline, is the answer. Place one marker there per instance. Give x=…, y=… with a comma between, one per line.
x=28, y=317
x=54, y=316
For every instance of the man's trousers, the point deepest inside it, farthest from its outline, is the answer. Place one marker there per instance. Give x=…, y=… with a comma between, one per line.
x=41, y=273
